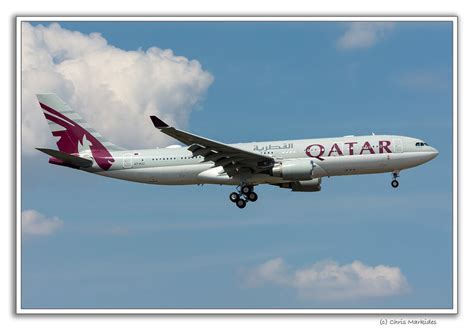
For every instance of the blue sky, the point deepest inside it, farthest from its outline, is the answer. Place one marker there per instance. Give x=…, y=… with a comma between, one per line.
x=129, y=245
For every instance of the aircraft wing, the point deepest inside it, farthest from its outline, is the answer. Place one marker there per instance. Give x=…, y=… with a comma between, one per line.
x=233, y=160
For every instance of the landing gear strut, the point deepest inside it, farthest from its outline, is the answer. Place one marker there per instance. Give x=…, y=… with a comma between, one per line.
x=395, y=175
x=243, y=195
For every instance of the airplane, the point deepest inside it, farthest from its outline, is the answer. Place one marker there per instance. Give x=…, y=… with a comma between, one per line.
x=298, y=165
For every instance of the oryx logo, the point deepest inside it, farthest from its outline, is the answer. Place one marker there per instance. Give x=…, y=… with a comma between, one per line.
x=73, y=136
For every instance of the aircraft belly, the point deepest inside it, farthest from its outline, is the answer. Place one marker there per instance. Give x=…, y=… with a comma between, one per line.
x=356, y=164
x=166, y=175
x=216, y=175
x=408, y=159
x=374, y=163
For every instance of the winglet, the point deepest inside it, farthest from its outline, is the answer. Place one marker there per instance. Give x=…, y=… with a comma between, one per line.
x=158, y=122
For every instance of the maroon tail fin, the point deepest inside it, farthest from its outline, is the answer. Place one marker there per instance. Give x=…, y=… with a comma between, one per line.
x=75, y=135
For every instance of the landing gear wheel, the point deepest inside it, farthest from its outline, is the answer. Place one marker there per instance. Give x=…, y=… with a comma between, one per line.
x=234, y=197
x=395, y=175
x=246, y=190
x=252, y=196
x=241, y=203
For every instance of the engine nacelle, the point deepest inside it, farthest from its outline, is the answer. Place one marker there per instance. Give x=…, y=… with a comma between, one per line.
x=297, y=169
x=308, y=185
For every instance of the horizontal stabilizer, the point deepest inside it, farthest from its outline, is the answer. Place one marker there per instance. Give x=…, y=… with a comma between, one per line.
x=67, y=158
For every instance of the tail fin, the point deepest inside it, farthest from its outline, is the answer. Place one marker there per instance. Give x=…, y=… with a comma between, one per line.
x=75, y=135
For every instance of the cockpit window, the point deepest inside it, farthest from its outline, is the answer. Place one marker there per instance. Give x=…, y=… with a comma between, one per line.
x=421, y=144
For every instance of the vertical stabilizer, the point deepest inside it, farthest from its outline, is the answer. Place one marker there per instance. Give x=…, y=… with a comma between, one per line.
x=75, y=136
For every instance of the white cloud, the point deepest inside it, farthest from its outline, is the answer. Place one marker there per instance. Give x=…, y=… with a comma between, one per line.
x=328, y=280
x=35, y=223
x=113, y=89
x=364, y=34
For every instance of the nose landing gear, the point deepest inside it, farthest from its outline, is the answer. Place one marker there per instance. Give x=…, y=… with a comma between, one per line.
x=395, y=175
x=243, y=195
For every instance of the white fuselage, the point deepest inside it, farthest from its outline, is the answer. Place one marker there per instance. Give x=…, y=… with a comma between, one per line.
x=347, y=155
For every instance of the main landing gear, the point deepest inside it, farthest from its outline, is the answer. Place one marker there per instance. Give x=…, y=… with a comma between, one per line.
x=395, y=175
x=243, y=195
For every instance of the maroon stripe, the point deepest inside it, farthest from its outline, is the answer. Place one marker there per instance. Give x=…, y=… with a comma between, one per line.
x=54, y=112
x=56, y=120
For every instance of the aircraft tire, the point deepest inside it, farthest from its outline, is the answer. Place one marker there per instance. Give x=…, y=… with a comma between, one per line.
x=234, y=197
x=246, y=190
x=241, y=203
x=252, y=196
x=394, y=183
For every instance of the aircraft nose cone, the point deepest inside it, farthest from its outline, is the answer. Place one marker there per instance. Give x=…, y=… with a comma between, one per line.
x=433, y=153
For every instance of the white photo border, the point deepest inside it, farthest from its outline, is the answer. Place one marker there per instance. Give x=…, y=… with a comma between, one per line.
x=227, y=311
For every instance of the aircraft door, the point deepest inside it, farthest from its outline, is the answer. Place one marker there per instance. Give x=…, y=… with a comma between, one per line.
x=127, y=161
x=398, y=146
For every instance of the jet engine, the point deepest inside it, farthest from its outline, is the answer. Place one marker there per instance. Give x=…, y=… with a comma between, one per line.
x=298, y=169
x=308, y=185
